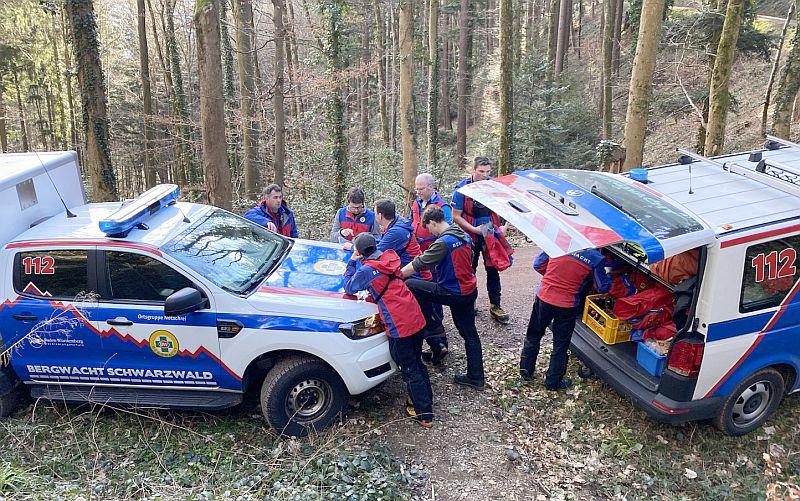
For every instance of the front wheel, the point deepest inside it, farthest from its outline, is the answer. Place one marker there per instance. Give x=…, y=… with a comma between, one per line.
x=751, y=403
x=302, y=394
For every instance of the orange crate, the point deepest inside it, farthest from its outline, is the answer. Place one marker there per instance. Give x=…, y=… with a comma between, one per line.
x=610, y=329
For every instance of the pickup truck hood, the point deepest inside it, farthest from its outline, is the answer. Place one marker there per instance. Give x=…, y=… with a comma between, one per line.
x=310, y=281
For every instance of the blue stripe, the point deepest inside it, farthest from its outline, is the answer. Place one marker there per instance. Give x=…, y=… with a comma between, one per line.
x=737, y=326
x=628, y=228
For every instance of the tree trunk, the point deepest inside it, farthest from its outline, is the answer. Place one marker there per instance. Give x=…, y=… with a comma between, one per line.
x=363, y=86
x=517, y=15
x=380, y=51
x=62, y=119
x=243, y=13
x=529, y=18
x=73, y=123
x=562, y=39
x=774, y=71
x=147, y=100
x=608, y=40
x=552, y=38
x=788, y=85
x=617, y=42
x=23, y=125
x=447, y=123
x=644, y=62
x=407, y=125
x=394, y=66
x=212, y=104
x=3, y=130
x=229, y=89
x=506, y=150
x=279, y=157
x=335, y=106
x=91, y=81
x=187, y=169
x=463, y=75
x=295, y=57
x=433, y=84
x=719, y=96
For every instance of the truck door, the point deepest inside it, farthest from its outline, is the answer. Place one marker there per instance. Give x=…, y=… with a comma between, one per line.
x=143, y=347
x=48, y=318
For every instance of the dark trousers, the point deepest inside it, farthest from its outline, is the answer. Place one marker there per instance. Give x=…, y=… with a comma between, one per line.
x=563, y=320
x=463, y=310
x=492, y=275
x=406, y=353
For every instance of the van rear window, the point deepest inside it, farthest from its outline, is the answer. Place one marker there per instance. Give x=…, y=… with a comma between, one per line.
x=770, y=271
x=659, y=217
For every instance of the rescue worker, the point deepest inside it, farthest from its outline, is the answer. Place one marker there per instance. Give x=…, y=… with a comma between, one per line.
x=455, y=285
x=273, y=213
x=471, y=215
x=398, y=235
x=401, y=314
x=565, y=280
x=426, y=195
x=353, y=219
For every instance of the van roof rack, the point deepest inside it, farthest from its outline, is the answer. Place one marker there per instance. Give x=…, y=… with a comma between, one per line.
x=771, y=173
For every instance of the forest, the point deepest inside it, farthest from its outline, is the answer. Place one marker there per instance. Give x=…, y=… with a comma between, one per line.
x=222, y=97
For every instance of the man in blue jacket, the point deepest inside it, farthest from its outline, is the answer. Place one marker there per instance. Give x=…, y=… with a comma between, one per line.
x=273, y=213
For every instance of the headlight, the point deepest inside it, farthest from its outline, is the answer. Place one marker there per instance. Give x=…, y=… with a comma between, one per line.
x=363, y=328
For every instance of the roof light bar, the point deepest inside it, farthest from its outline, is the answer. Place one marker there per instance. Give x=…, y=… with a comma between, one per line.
x=138, y=210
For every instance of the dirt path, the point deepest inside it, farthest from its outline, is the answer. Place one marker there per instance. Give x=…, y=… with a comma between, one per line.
x=464, y=453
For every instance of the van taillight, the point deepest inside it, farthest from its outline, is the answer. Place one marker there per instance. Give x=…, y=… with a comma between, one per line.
x=685, y=358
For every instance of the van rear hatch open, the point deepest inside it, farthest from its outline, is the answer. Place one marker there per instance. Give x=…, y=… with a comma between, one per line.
x=565, y=211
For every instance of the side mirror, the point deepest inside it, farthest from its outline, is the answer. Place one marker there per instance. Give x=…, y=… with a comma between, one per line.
x=184, y=301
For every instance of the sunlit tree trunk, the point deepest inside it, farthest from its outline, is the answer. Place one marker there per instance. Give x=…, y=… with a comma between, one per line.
x=279, y=157
x=463, y=76
x=212, y=104
x=332, y=12
x=380, y=51
x=562, y=40
x=91, y=81
x=788, y=85
x=407, y=123
x=433, y=84
x=447, y=123
x=644, y=62
x=243, y=13
x=719, y=99
x=23, y=125
x=147, y=99
x=505, y=152
x=608, y=40
x=552, y=38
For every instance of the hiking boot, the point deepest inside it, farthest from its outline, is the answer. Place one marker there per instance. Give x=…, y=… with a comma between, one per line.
x=526, y=375
x=499, y=314
x=563, y=385
x=424, y=422
x=435, y=357
x=465, y=380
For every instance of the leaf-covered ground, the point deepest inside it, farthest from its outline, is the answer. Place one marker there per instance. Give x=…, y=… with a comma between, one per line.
x=513, y=440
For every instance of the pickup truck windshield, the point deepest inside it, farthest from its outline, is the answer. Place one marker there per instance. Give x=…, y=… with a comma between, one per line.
x=661, y=218
x=233, y=253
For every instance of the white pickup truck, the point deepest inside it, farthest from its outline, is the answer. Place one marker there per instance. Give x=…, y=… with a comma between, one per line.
x=163, y=303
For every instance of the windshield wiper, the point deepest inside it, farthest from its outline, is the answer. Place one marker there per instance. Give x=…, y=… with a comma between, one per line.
x=613, y=202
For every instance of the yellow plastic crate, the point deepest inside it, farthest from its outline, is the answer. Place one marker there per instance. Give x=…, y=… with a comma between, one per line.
x=608, y=327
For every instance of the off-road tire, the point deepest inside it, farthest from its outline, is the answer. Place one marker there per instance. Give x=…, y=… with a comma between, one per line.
x=13, y=397
x=305, y=379
x=749, y=396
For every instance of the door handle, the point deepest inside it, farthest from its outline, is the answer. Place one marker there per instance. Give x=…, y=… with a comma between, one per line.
x=24, y=318
x=119, y=321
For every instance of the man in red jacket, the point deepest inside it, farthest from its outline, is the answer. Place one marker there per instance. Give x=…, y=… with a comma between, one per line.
x=401, y=314
x=565, y=280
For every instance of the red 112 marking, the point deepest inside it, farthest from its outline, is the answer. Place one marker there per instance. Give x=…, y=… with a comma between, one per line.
x=767, y=265
x=39, y=265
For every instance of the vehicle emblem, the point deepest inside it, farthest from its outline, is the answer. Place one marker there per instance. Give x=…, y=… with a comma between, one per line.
x=164, y=343
x=574, y=193
x=330, y=267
